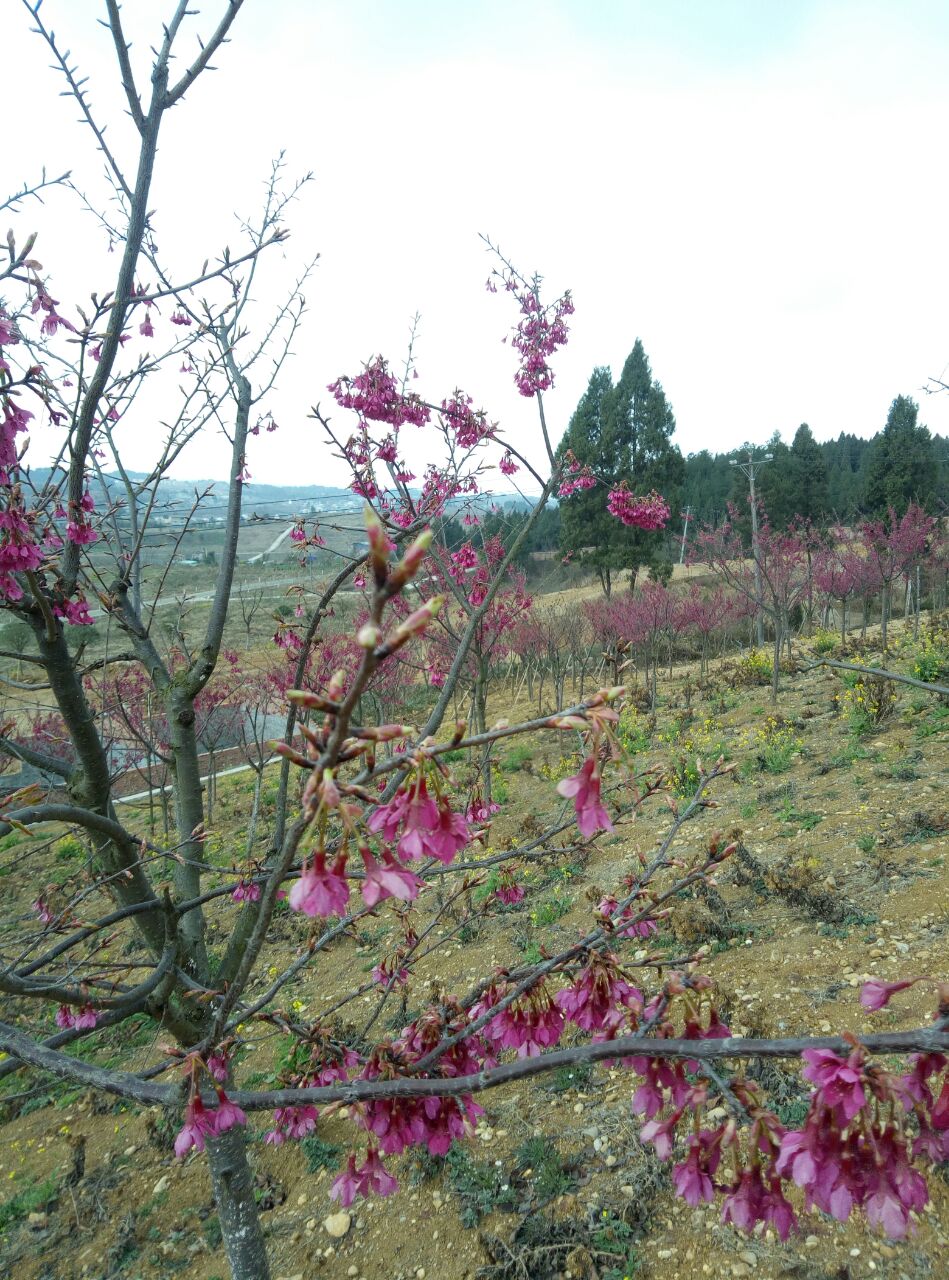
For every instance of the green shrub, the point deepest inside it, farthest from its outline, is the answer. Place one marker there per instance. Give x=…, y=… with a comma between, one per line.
x=824, y=641
x=69, y=849
x=632, y=731
x=930, y=661
x=753, y=667
x=777, y=746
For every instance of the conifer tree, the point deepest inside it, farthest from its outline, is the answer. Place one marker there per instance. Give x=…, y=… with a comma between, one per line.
x=903, y=465
x=808, y=476
x=622, y=432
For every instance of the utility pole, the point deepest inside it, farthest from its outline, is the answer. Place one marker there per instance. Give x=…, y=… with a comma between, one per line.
x=749, y=465
x=685, y=533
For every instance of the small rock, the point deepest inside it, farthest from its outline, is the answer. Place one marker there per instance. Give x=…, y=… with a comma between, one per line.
x=741, y=1269
x=352, y=1271
x=38, y=1221
x=627, y=1191
x=747, y=1256
x=161, y=1185
x=337, y=1225
x=130, y=1151
x=419, y=1273
x=811, y=1242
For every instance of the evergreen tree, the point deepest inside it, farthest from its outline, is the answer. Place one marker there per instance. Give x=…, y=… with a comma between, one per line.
x=587, y=529
x=903, y=464
x=775, y=485
x=707, y=486
x=808, y=476
x=624, y=433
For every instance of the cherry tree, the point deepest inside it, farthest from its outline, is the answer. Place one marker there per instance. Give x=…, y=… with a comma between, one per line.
x=893, y=548
x=776, y=579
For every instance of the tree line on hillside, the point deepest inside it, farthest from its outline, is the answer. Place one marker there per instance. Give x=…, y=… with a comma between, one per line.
x=624, y=432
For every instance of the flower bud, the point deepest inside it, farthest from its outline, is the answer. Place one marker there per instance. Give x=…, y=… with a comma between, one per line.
x=283, y=749
x=378, y=545
x=414, y=623
x=409, y=565
x=312, y=701
x=368, y=636
x=385, y=732
x=336, y=686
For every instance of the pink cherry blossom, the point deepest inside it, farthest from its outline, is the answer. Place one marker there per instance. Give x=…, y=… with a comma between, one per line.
x=693, y=1176
x=227, y=1113
x=840, y=1082
x=292, y=1122
x=649, y=512
x=321, y=891
x=584, y=787
x=369, y=1177
x=387, y=880
x=876, y=994
x=199, y=1124
x=246, y=891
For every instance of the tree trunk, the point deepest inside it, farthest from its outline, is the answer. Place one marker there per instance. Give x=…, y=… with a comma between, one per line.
x=254, y=811
x=776, y=663
x=236, y=1207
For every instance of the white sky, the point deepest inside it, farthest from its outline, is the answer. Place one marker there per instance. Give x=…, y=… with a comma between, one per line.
x=758, y=191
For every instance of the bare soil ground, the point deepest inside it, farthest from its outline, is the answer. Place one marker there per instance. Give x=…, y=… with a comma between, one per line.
x=843, y=874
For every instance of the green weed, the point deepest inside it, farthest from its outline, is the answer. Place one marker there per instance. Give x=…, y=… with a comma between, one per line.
x=319, y=1154
x=517, y=758
x=33, y=1199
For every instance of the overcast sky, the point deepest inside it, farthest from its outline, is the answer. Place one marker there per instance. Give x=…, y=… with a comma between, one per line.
x=758, y=191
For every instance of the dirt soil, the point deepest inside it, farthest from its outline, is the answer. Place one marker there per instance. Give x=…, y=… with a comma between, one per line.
x=843, y=874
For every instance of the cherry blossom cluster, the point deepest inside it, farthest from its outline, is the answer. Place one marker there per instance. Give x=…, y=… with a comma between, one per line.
x=30, y=539
x=469, y=427
x=303, y=540
x=82, y=1019
x=375, y=395
x=854, y=1150
x=650, y=512
x=200, y=1121
x=576, y=478
x=538, y=334
x=315, y=1060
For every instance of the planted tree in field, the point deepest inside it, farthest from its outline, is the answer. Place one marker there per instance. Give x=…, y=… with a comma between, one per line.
x=705, y=613
x=893, y=547
x=781, y=581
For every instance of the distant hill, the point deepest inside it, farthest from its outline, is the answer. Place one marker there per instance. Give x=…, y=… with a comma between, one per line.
x=270, y=500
